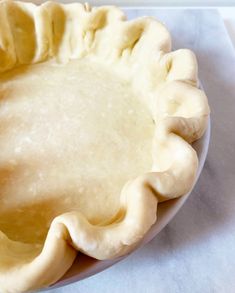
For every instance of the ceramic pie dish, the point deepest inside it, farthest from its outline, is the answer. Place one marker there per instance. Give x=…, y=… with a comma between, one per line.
x=97, y=121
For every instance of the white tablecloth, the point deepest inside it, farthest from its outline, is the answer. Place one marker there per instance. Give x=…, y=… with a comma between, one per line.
x=196, y=251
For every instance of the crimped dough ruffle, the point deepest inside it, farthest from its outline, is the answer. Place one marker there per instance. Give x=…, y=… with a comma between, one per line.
x=140, y=50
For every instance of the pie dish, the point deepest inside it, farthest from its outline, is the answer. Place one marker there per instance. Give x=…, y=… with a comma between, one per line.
x=97, y=120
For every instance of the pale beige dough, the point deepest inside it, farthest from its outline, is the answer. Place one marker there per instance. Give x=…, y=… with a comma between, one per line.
x=71, y=137
x=97, y=117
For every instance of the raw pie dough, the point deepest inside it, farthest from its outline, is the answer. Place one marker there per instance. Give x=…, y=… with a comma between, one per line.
x=96, y=120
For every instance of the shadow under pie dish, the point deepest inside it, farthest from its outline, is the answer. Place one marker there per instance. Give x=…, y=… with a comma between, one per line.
x=97, y=119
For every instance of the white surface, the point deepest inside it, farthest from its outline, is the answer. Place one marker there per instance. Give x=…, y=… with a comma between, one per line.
x=196, y=251
x=161, y=3
x=228, y=15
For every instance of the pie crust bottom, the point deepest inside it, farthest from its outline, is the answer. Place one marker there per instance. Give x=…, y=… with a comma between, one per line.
x=71, y=136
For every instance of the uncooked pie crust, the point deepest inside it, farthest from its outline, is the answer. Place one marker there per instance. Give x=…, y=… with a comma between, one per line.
x=96, y=120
